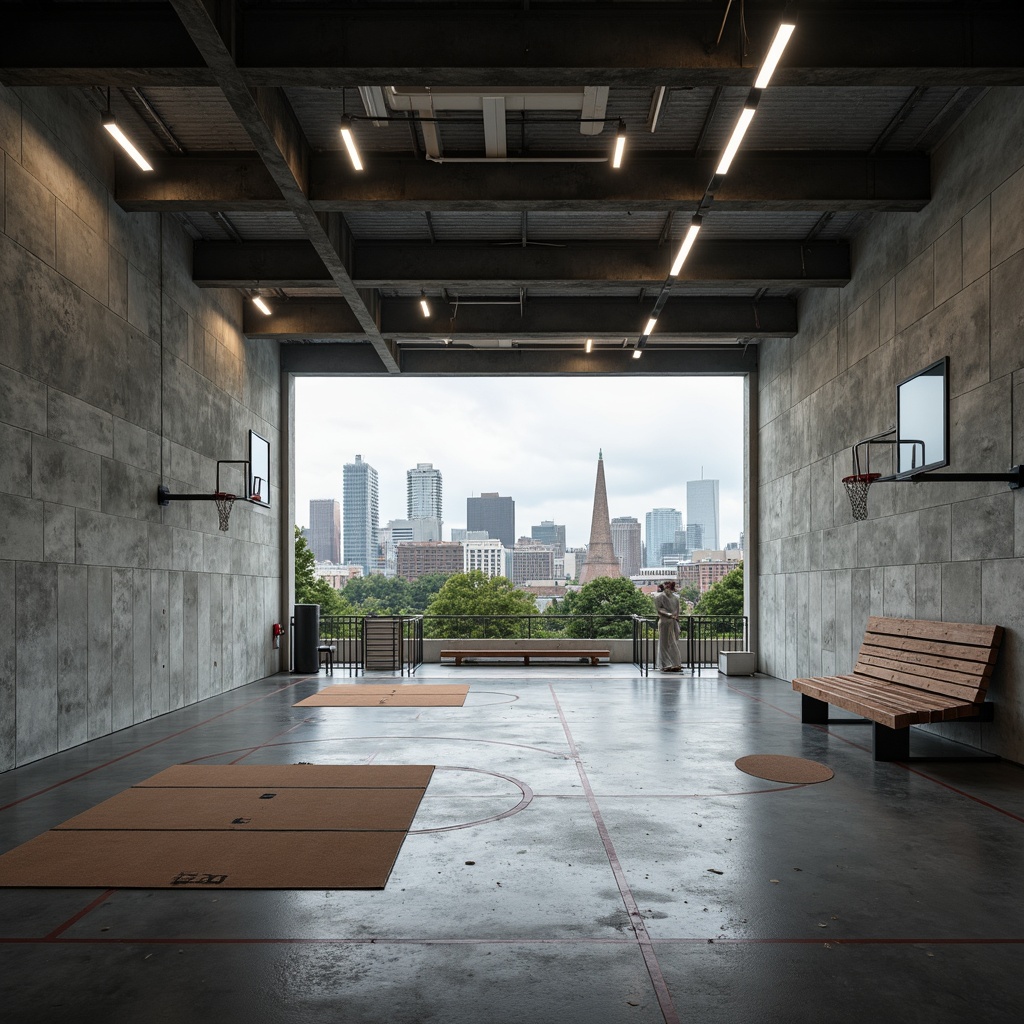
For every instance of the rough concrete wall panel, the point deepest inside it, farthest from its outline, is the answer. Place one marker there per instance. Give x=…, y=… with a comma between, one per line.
x=983, y=527
x=190, y=637
x=948, y=254
x=1007, y=315
x=8, y=666
x=15, y=460
x=110, y=540
x=122, y=681
x=78, y=424
x=900, y=594
x=30, y=212
x=845, y=641
x=1001, y=587
x=160, y=687
x=22, y=401
x=81, y=253
x=58, y=532
x=72, y=655
x=21, y=528
x=1007, y=228
x=204, y=632
x=928, y=592
x=100, y=651
x=36, y=632
x=64, y=473
x=176, y=640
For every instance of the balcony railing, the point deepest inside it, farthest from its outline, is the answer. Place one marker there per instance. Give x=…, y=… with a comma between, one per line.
x=702, y=638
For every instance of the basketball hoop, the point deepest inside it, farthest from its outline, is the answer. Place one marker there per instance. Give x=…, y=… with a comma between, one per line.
x=857, y=489
x=224, y=501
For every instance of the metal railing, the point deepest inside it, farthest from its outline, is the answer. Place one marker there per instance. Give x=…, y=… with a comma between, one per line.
x=387, y=642
x=703, y=638
x=345, y=634
x=527, y=627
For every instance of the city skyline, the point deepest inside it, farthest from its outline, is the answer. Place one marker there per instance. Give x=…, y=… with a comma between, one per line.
x=535, y=440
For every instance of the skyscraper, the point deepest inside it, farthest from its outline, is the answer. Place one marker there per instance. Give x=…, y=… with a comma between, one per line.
x=362, y=516
x=550, y=533
x=601, y=560
x=626, y=544
x=662, y=524
x=702, y=507
x=325, y=529
x=423, y=492
x=495, y=514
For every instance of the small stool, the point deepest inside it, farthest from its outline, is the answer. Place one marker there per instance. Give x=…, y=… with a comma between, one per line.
x=326, y=653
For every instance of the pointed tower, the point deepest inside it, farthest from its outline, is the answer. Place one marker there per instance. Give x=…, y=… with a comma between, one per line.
x=601, y=560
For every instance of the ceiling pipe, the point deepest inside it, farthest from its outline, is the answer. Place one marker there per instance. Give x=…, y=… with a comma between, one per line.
x=517, y=159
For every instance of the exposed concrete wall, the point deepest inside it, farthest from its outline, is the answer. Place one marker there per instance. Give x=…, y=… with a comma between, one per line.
x=117, y=373
x=946, y=281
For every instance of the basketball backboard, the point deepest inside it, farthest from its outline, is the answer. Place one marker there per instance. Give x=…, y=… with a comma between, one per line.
x=922, y=420
x=258, y=489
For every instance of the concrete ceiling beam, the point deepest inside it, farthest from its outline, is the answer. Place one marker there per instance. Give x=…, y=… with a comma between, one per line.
x=903, y=44
x=463, y=267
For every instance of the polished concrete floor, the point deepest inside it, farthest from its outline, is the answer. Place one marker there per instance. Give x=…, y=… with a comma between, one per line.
x=586, y=852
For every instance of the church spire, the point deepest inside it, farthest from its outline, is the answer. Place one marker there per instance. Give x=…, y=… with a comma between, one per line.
x=600, y=560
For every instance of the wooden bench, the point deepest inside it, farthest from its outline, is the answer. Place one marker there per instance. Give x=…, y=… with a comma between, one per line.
x=908, y=672
x=526, y=655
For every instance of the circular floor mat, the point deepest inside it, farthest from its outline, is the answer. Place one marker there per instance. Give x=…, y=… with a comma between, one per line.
x=779, y=768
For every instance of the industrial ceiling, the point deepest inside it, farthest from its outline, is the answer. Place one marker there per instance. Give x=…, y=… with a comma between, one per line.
x=486, y=132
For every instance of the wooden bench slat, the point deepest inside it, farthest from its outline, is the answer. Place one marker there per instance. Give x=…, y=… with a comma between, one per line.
x=953, y=632
x=852, y=703
x=936, y=681
x=887, y=697
x=974, y=658
x=972, y=669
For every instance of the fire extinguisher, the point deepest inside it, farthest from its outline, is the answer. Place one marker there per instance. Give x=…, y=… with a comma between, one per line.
x=278, y=631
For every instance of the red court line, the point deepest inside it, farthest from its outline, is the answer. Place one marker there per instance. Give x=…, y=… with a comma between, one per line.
x=916, y=771
x=155, y=743
x=525, y=941
x=75, y=918
x=643, y=938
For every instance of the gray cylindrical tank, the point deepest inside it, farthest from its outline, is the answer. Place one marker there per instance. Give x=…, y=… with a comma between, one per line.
x=306, y=638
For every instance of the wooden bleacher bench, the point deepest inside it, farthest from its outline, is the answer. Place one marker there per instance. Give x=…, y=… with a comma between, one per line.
x=909, y=672
x=526, y=655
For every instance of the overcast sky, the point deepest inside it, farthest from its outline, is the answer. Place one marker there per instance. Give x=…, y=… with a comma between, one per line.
x=534, y=439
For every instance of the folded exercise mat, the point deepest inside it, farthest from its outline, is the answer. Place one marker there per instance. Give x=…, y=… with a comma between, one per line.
x=290, y=826
x=450, y=695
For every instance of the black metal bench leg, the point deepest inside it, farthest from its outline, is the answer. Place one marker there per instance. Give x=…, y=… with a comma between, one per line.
x=812, y=710
x=891, y=744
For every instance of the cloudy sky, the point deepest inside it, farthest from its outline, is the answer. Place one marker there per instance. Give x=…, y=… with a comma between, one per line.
x=535, y=439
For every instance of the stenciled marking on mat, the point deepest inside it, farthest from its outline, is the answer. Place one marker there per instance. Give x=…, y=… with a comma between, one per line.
x=524, y=802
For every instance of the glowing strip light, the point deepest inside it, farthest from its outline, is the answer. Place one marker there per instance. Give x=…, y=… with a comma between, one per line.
x=350, y=143
x=258, y=302
x=123, y=141
x=774, y=55
x=650, y=326
x=424, y=305
x=637, y=353
x=620, y=146
x=588, y=348
x=746, y=116
x=684, y=249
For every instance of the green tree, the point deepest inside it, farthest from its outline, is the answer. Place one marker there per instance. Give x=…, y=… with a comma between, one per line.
x=312, y=589
x=690, y=594
x=422, y=591
x=614, y=601
x=390, y=594
x=724, y=597
x=473, y=594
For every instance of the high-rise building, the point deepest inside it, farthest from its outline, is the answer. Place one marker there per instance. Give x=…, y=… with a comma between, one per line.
x=495, y=514
x=361, y=514
x=551, y=534
x=460, y=534
x=423, y=492
x=702, y=507
x=325, y=529
x=489, y=556
x=532, y=560
x=401, y=531
x=694, y=536
x=662, y=524
x=626, y=543
x=601, y=560
x=421, y=558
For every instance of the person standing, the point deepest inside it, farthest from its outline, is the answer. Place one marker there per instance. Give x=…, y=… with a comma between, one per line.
x=666, y=604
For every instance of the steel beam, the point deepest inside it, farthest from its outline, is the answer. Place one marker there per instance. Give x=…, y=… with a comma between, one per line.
x=581, y=266
x=672, y=44
x=796, y=181
x=326, y=360
x=551, y=320
x=268, y=120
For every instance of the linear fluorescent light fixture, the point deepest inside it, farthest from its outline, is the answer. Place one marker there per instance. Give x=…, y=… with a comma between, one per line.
x=746, y=116
x=650, y=326
x=620, y=145
x=773, y=56
x=589, y=347
x=110, y=123
x=637, y=353
x=258, y=302
x=424, y=305
x=350, y=143
x=684, y=250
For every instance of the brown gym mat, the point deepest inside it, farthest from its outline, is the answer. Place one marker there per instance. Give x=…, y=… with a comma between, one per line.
x=282, y=776
x=780, y=768
x=451, y=695
x=235, y=827
x=126, y=859
x=254, y=810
